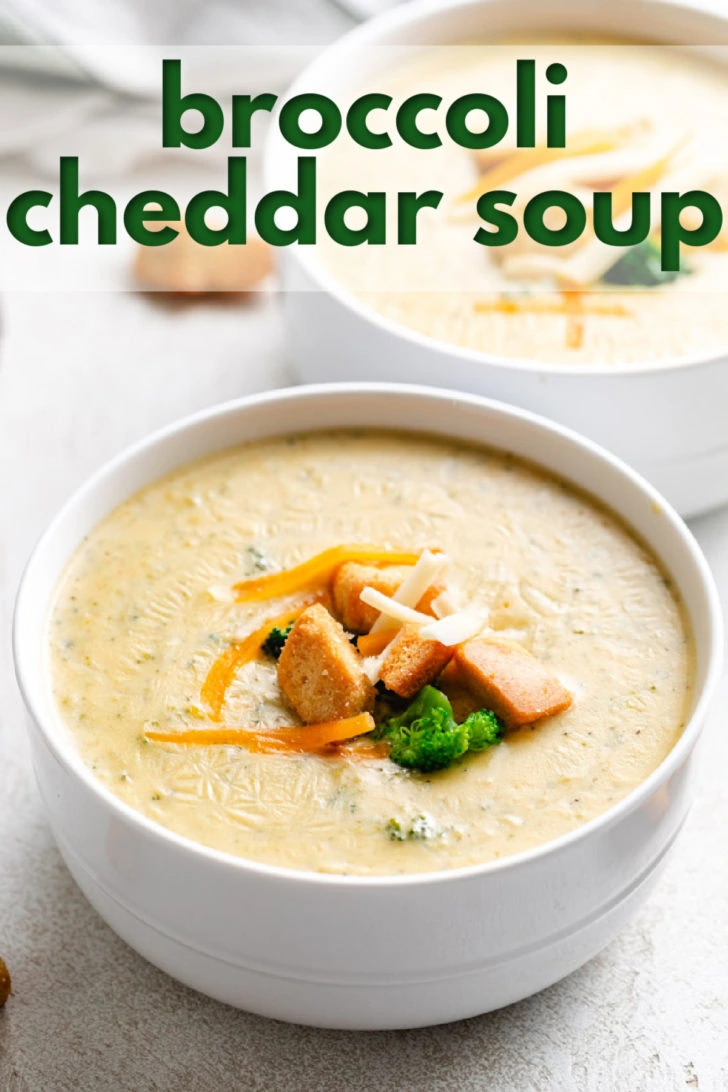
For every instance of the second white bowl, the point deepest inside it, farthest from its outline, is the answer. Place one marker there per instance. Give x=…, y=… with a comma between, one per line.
x=668, y=421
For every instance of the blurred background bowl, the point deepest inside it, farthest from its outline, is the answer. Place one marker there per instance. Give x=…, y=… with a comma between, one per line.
x=668, y=421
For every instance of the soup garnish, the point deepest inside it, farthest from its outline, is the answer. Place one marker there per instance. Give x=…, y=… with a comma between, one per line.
x=413, y=636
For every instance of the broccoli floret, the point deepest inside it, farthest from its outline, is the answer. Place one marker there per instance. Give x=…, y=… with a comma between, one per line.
x=484, y=729
x=421, y=829
x=641, y=266
x=274, y=642
x=428, y=700
x=259, y=562
x=427, y=737
x=432, y=742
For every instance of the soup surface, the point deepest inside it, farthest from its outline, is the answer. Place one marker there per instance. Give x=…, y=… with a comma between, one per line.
x=143, y=610
x=639, y=118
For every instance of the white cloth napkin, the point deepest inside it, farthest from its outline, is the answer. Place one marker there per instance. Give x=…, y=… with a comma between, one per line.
x=82, y=76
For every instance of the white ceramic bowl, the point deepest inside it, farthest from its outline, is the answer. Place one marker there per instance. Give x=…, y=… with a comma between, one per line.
x=668, y=421
x=361, y=952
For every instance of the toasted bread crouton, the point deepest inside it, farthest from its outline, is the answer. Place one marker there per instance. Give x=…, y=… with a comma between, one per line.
x=464, y=702
x=506, y=679
x=451, y=682
x=320, y=672
x=412, y=662
x=351, y=579
x=185, y=266
x=349, y=582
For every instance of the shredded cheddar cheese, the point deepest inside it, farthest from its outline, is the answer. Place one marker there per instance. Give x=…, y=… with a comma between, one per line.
x=314, y=737
x=317, y=570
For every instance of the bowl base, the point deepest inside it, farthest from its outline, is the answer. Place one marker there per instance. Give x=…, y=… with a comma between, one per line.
x=394, y=1006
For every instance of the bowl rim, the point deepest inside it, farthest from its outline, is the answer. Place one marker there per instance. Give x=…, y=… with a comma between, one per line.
x=367, y=34
x=27, y=644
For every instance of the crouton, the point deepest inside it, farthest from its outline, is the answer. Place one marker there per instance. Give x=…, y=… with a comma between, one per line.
x=451, y=678
x=349, y=582
x=351, y=579
x=412, y=662
x=320, y=672
x=187, y=267
x=506, y=679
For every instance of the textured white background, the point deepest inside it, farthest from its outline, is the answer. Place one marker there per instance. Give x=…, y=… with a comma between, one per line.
x=81, y=376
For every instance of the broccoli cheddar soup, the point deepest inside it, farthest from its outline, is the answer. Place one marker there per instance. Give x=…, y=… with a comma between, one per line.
x=368, y=653
x=639, y=118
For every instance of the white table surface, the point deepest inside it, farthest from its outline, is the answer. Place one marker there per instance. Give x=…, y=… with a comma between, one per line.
x=80, y=377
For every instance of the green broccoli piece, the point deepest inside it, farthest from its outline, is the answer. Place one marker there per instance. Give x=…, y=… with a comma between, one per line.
x=427, y=737
x=426, y=701
x=274, y=642
x=421, y=829
x=431, y=742
x=484, y=729
x=641, y=266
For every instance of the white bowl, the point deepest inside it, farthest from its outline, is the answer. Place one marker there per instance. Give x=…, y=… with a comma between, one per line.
x=667, y=421
x=361, y=952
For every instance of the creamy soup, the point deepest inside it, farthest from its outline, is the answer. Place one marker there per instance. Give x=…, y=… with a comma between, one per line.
x=144, y=609
x=638, y=118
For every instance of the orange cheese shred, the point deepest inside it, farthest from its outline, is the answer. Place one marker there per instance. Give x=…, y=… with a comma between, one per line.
x=534, y=305
x=589, y=142
x=223, y=670
x=371, y=644
x=312, y=738
x=361, y=750
x=645, y=179
x=316, y=571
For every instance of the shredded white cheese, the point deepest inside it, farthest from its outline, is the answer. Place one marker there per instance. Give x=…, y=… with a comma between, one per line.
x=455, y=628
x=390, y=608
x=373, y=664
x=443, y=605
x=428, y=568
x=221, y=593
